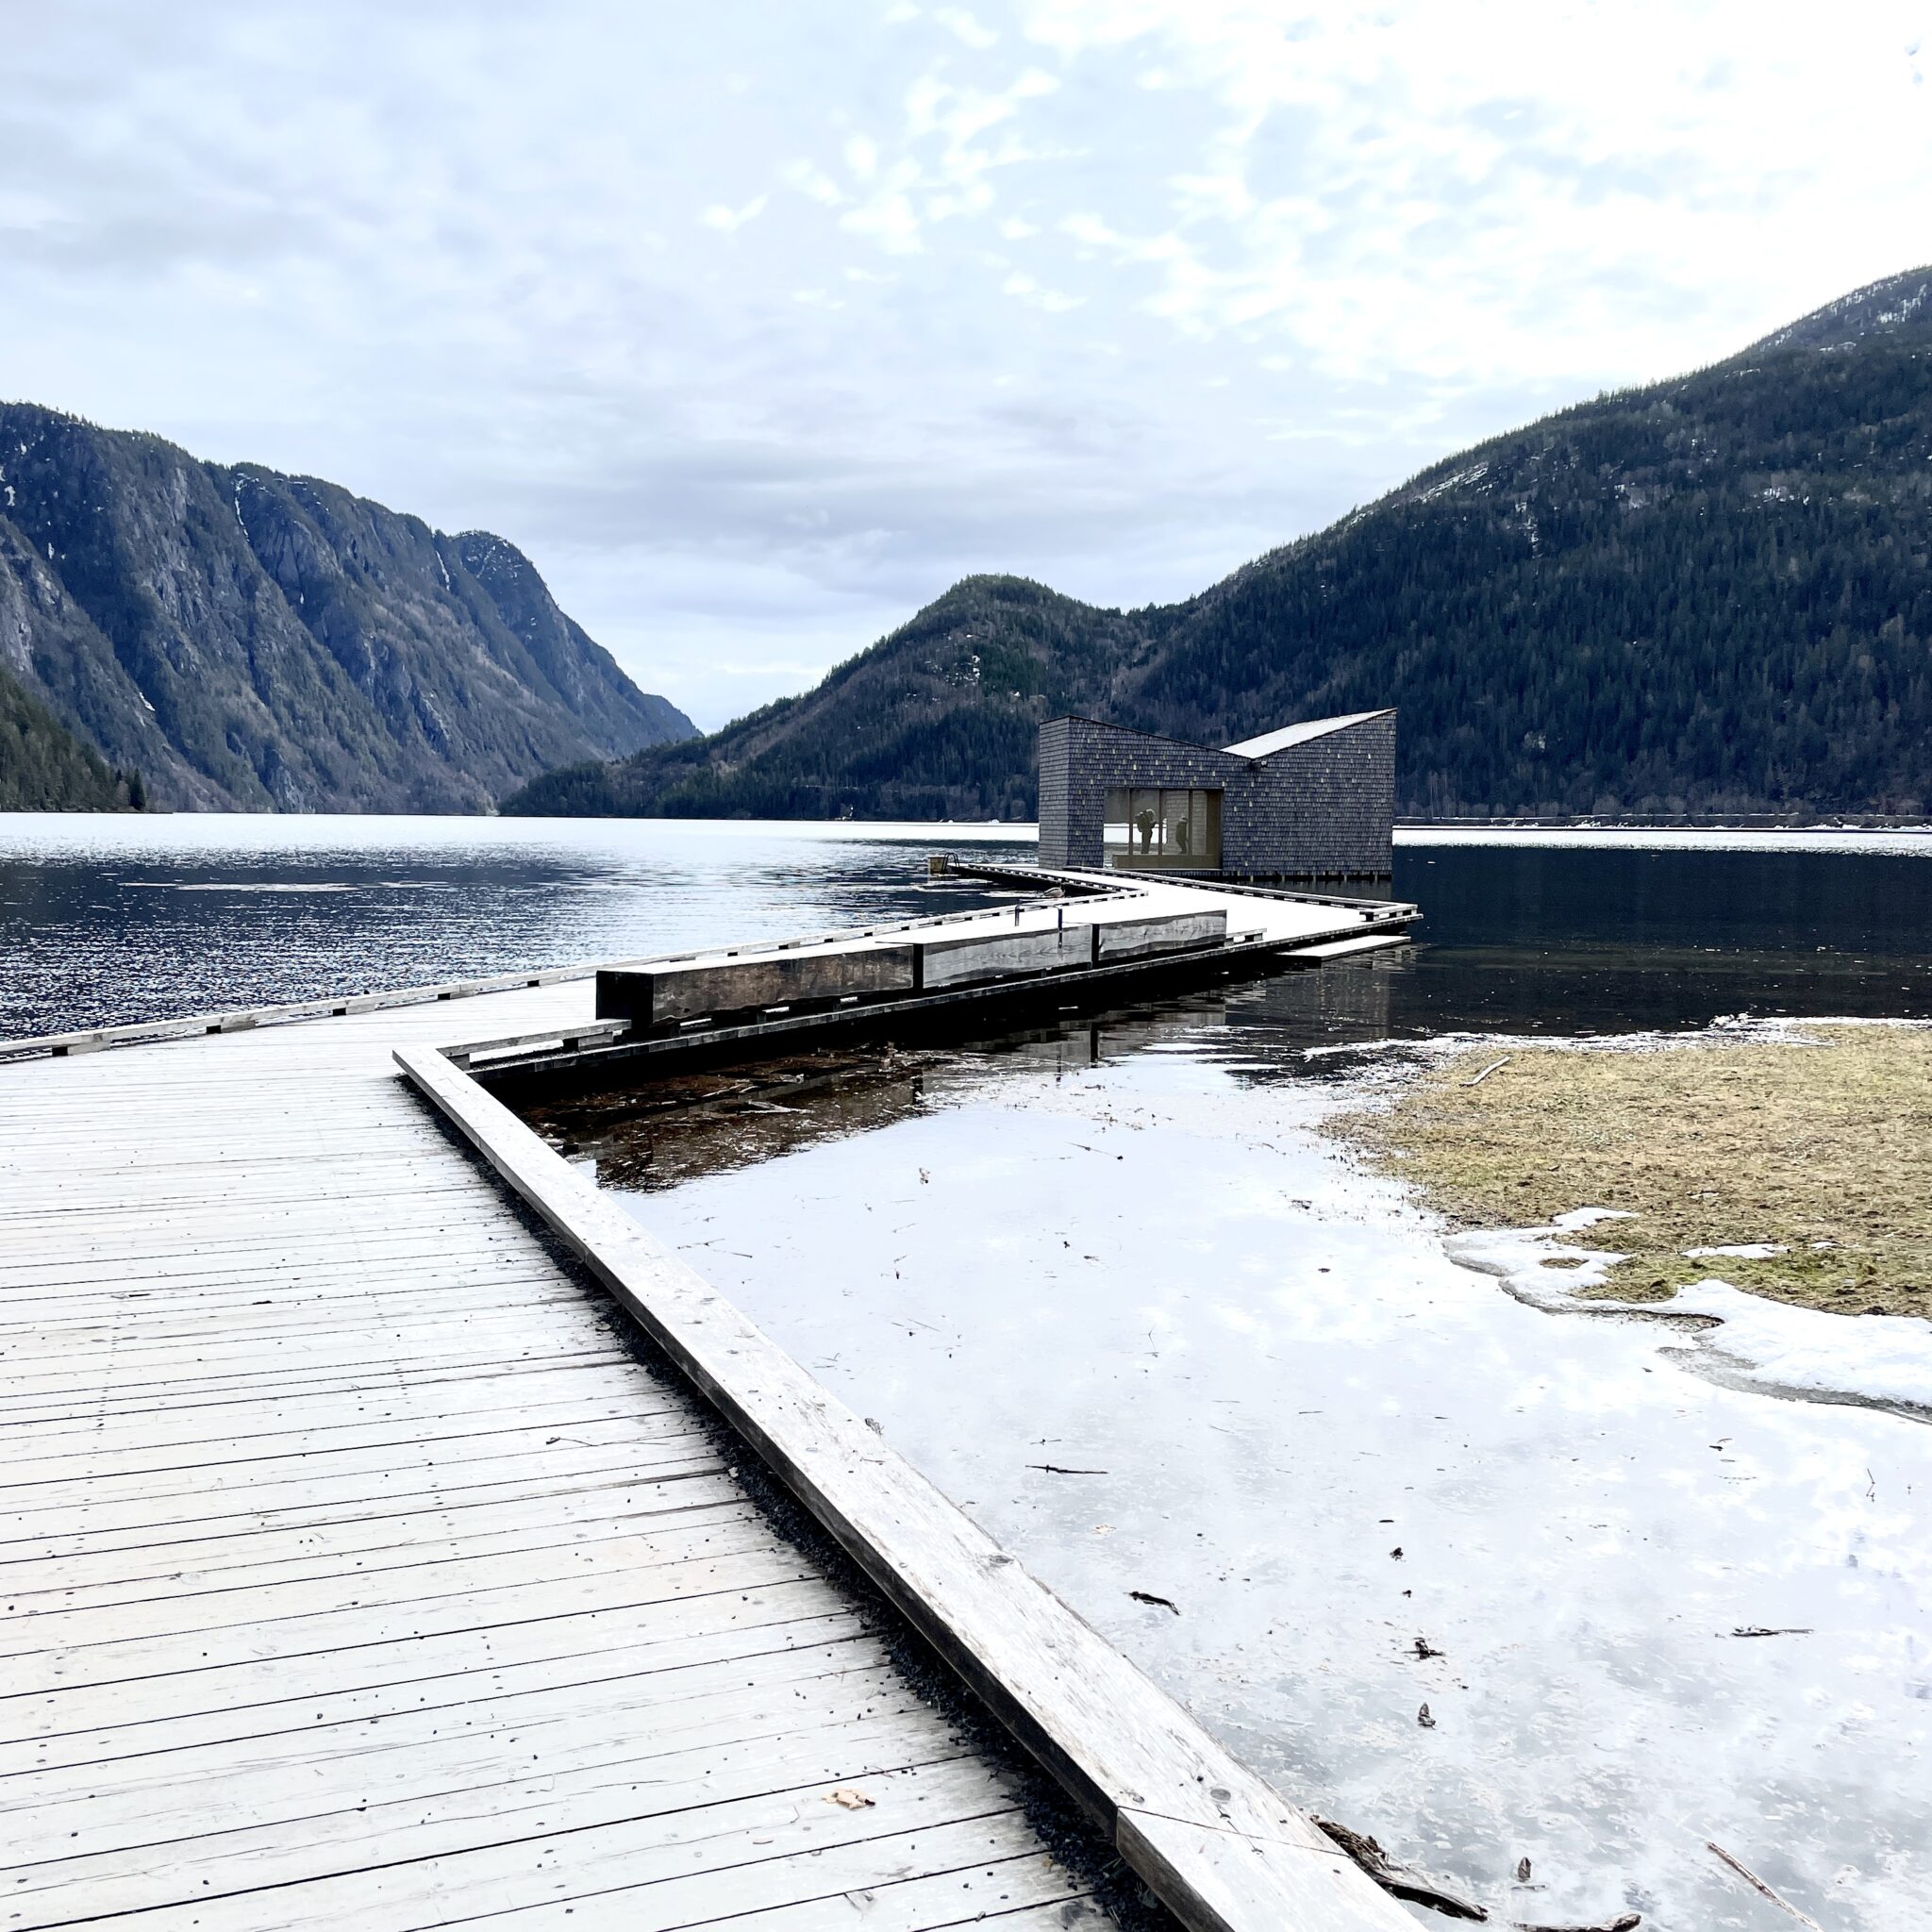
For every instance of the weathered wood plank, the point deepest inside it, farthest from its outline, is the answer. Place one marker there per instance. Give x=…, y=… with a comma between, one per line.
x=67, y=1403
x=235, y=1853
x=654, y=995
x=184, y=1564
x=1119, y=1743
x=681, y=1557
x=1142, y=939
x=58, y=1393
x=775, y=1862
x=599, y=1390
x=236, y=1688
x=743, y=1653
x=263, y=1340
x=1003, y=955
x=382, y=1489
x=192, y=1471
x=136, y=1658
x=146, y=1798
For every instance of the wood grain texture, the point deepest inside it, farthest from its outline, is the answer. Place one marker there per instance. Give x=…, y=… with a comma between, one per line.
x=359, y=1573
x=650, y=996
x=1126, y=1751
x=1003, y=955
x=1169, y=932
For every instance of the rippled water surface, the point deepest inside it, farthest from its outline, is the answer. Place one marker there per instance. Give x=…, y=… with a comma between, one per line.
x=111, y=918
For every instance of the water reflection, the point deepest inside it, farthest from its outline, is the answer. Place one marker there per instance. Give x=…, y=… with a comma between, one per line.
x=1526, y=939
x=1369, y=1478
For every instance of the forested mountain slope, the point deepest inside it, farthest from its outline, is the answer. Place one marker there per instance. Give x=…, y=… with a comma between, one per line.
x=1711, y=594
x=43, y=767
x=253, y=641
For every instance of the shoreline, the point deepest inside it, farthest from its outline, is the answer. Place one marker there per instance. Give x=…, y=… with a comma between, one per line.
x=1792, y=1163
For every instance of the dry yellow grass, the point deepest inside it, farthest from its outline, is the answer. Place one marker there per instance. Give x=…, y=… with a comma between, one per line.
x=1824, y=1149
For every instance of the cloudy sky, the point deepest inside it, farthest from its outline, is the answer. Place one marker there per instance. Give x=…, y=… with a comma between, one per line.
x=757, y=324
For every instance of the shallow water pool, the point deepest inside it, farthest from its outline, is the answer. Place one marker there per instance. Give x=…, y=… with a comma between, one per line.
x=1453, y=1570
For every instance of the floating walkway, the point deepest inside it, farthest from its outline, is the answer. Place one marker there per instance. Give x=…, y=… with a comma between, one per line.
x=360, y=1571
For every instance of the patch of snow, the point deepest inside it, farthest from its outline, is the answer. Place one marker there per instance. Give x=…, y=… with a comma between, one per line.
x=1474, y=473
x=1742, y=1338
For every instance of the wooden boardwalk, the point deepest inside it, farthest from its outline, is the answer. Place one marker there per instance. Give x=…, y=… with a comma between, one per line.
x=357, y=1574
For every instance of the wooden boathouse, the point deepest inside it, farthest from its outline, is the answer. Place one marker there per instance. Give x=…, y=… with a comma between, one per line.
x=382, y=1537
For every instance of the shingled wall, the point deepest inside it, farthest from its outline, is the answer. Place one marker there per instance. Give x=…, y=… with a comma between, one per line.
x=1324, y=808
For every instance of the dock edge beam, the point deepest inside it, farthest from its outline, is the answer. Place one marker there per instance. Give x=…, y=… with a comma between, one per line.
x=1216, y=1845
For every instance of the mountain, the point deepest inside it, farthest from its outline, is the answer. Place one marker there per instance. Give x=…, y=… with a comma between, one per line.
x=1707, y=594
x=43, y=767
x=250, y=642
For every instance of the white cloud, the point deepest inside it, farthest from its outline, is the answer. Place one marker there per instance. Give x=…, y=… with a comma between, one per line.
x=813, y=182
x=984, y=271
x=732, y=219
x=968, y=29
x=1027, y=290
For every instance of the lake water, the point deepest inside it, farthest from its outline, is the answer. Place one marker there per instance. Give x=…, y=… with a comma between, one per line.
x=1116, y=1294
x=1127, y=1248
x=112, y=919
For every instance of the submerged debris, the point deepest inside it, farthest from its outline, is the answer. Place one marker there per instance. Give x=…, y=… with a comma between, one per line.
x=1624, y=1921
x=1147, y=1596
x=1404, y=1881
x=1418, y=1887
x=1758, y=1885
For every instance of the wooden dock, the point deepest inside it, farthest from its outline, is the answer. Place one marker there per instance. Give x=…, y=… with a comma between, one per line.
x=358, y=1571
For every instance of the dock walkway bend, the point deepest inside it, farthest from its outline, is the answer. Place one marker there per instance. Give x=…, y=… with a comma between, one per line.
x=359, y=1573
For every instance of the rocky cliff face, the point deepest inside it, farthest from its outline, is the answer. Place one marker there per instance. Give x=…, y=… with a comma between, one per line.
x=253, y=641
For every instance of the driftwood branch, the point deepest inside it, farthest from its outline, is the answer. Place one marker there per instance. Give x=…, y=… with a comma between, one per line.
x=1488, y=1070
x=1626, y=1922
x=1758, y=1885
x=1403, y=1881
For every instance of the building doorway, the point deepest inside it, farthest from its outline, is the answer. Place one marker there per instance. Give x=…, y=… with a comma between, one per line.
x=1159, y=828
